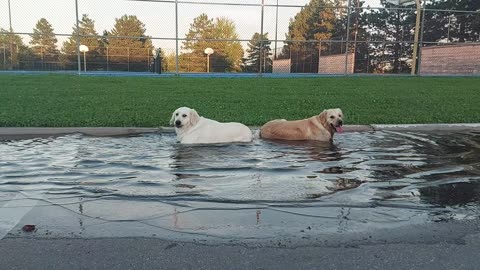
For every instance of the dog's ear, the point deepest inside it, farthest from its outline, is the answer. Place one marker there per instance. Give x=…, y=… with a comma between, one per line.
x=194, y=117
x=172, y=119
x=323, y=118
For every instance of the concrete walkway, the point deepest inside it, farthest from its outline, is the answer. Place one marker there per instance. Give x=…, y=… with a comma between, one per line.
x=144, y=253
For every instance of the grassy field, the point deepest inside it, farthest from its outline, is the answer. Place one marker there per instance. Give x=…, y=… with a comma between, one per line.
x=68, y=100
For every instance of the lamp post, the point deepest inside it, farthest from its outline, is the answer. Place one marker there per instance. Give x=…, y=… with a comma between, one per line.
x=4, y=58
x=157, y=61
x=84, y=49
x=417, y=28
x=208, y=51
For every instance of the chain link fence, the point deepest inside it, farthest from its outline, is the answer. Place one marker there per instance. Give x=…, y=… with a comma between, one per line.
x=246, y=36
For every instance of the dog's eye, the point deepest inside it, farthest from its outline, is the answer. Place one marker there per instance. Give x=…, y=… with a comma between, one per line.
x=184, y=115
x=339, y=115
x=332, y=116
x=176, y=114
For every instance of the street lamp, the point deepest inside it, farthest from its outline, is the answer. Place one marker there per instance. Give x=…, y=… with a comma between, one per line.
x=157, y=61
x=84, y=49
x=4, y=57
x=208, y=51
x=417, y=27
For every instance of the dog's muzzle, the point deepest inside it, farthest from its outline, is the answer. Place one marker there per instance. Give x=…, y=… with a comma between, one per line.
x=178, y=124
x=338, y=127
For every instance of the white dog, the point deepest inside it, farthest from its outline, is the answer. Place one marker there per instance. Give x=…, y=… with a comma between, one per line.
x=191, y=128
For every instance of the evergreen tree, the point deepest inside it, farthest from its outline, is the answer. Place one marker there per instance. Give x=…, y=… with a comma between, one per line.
x=13, y=46
x=452, y=26
x=391, y=31
x=314, y=22
x=128, y=45
x=44, y=41
x=258, y=47
x=88, y=37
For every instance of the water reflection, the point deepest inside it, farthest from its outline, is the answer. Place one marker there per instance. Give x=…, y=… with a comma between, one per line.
x=455, y=194
x=318, y=180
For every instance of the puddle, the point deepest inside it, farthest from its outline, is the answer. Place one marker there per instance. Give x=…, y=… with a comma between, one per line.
x=149, y=185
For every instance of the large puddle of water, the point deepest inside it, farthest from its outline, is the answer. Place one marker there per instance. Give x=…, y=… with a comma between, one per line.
x=149, y=185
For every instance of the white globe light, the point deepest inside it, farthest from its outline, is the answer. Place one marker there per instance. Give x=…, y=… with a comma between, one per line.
x=83, y=48
x=208, y=51
x=401, y=2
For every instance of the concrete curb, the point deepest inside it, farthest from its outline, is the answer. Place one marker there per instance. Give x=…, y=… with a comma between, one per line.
x=32, y=132
x=123, y=131
x=429, y=127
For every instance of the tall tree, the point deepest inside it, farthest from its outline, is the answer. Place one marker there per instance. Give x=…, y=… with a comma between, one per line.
x=88, y=37
x=44, y=41
x=128, y=44
x=220, y=35
x=168, y=61
x=232, y=51
x=258, y=47
x=392, y=35
x=452, y=26
x=358, y=35
x=314, y=23
x=11, y=45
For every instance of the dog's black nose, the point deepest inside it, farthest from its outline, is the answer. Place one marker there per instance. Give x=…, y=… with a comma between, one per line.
x=178, y=123
x=340, y=122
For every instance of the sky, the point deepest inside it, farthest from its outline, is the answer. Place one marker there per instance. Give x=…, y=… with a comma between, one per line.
x=158, y=17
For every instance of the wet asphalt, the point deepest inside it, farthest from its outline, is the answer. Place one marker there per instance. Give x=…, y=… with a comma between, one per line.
x=440, y=245
x=141, y=253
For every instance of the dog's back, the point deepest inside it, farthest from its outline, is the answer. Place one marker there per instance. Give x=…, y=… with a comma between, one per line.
x=282, y=129
x=211, y=131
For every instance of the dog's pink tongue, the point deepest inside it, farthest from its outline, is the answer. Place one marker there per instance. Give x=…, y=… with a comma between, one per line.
x=339, y=129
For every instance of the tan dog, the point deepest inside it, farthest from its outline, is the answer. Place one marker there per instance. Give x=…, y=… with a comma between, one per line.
x=320, y=127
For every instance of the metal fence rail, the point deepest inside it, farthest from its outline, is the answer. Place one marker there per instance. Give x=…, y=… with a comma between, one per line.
x=361, y=39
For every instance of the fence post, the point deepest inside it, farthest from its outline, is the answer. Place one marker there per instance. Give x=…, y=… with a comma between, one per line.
x=421, y=40
x=107, y=60
x=415, y=39
x=261, y=40
x=4, y=58
x=348, y=37
x=12, y=62
x=78, y=39
x=276, y=31
x=176, y=38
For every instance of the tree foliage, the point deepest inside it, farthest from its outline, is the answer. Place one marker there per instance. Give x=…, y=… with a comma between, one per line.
x=13, y=46
x=220, y=35
x=313, y=23
x=258, y=47
x=128, y=43
x=391, y=31
x=452, y=26
x=43, y=40
x=87, y=36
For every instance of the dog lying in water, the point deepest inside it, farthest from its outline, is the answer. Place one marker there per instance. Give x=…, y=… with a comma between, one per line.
x=192, y=129
x=319, y=127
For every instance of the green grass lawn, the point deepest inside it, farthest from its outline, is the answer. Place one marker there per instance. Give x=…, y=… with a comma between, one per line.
x=69, y=100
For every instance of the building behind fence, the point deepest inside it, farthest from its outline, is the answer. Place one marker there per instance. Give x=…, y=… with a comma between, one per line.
x=355, y=47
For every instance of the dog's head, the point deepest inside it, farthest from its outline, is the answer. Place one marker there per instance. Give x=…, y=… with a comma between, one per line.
x=184, y=118
x=332, y=119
